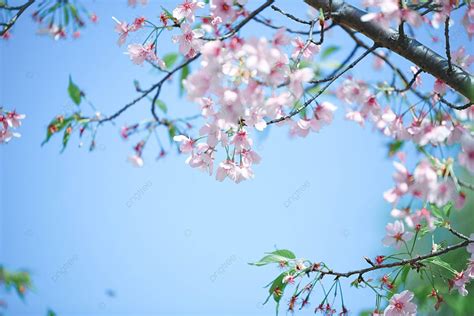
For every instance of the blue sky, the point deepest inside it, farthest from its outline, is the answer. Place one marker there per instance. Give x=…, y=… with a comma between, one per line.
x=182, y=248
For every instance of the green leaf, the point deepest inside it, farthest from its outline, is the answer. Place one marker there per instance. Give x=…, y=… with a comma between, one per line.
x=184, y=75
x=267, y=259
x=447, y=209
x=284, y=253
x=394, y=147
x=167, y=13
x=57, y=124
x=66, y=15
x=276, y=256
x=74, y=92
x=436, y=212
x=404, y=275
x=161, y=105
x=328, y=51
x=170, y=59
x=171, y=132
x=442, y=264
x=66, y=136
x=50, y=313
x=278, y=284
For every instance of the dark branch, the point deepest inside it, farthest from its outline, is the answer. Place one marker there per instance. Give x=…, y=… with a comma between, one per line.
x=405, y=262
x=20, y=9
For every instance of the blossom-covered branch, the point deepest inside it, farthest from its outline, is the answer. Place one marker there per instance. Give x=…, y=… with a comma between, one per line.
x=422, y=56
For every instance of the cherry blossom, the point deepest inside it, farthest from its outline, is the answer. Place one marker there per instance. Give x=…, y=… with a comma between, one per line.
x=223, y=9
x=297, y=79
x=396, y=235
x=305, y=51
x=390, y=11
x=139, y=53
x=462, y=58
x=415, y=220
x=459, y=282
x=466, y=157
x=136, y=160
x=9, y=122
x=123, y=29
x=189, y=43
x=401, y=305
x=186, y=10
x=133, y=3
x=470, y=247
x=187, y=144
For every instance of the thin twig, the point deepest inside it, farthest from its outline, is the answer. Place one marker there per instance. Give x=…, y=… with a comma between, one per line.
x=310, y=100
x=290, y=16
x=447, y=45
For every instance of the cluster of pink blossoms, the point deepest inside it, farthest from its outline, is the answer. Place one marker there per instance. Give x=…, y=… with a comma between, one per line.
x=425, y=183
x=9, y=121
x=238, y=85
x=139, y=53
x=237, y=88
x=391, y=12
x=420, y=128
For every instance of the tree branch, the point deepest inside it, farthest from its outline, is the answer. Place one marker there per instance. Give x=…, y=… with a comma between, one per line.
x=21, y=9
x=404, y=262
x=426, y=59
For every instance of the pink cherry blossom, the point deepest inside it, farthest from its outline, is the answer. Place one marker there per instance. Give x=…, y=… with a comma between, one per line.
x=403, y=180
x=14, y=119
x=396, y=235
x=459, y=282
x=223, y=9
x=123, y=29
x=416, y=219
x=214, y=133
x=355, y=116
x=425, y=180
x=9, y=122
x=187, y=144
x=323, y=115
x=202, y=158
x=462, y=58
x=466, y=157
x=280, y=38
x=242, y=141
x=139, y=53
x=470, y=247
x=186, y=10
x=228, y=169
x=189, y=42
x=133, y=3
x=378, y=62
x=300, y=50
x=468, y=20
x=136, y=160
x=249, y=157
x=443, y=193
x=300, y=128
x=401, y=305
x=289, y=279
x=440, y=87
x=298, y=79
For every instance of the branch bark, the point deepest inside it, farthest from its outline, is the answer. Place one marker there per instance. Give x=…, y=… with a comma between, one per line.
x=425, y=58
